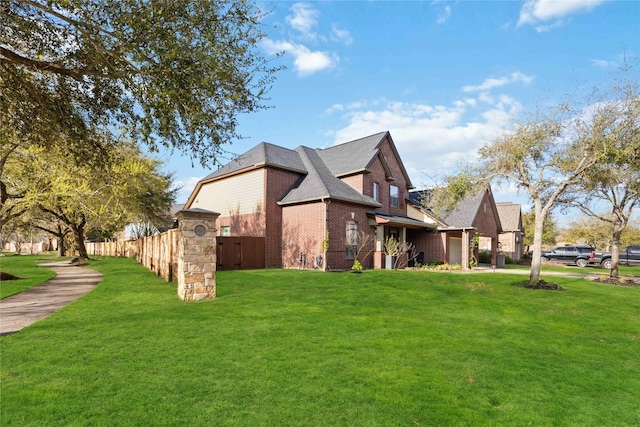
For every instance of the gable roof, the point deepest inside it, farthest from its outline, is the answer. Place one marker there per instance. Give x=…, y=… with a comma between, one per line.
x=320, y=183
x=510, y=216
x=465, y=212
x=356, y=156
x=263, y=154
x=320, y=169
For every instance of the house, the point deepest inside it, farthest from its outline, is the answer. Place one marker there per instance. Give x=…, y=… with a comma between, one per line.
x=512, y=235
x=473, y=223
x=321, y=208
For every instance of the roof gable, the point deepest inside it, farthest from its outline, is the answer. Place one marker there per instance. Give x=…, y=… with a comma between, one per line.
x=357, y=156
x=510, y=216
x=263, y=154
x=320, y=183
x=320, y=169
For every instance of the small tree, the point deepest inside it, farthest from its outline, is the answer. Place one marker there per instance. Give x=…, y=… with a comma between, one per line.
x=615, y=181
x=363, y=249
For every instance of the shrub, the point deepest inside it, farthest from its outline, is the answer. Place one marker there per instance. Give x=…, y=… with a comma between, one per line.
x=484, y=257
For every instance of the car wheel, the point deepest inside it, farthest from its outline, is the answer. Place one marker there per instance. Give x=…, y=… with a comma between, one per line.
x=606, y=264
x=582, y=262
x=544, y=259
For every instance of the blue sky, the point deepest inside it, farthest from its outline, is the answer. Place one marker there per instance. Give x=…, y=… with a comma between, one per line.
x=443, y=77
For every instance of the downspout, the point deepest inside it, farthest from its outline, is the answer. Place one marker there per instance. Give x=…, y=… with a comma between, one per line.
x=325, y=236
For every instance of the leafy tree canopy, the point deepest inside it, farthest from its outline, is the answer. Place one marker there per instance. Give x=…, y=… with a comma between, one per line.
x=169, y=73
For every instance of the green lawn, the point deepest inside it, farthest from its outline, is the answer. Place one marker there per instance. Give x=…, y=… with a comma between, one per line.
x=572, y=269
x=381, y=348
x=26, y=268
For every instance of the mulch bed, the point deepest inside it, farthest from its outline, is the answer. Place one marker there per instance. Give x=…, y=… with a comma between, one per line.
x=620, y=281
x=545, y=286
x=6, y=276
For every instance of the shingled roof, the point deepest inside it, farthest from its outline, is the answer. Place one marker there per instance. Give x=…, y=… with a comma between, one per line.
x=462, y=216
x=320, y=183
x=263, y=154
x=510, y=214
x=320, y=169
x=356, y=156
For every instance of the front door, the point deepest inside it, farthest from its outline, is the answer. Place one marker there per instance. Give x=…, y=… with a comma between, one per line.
x=455, y=250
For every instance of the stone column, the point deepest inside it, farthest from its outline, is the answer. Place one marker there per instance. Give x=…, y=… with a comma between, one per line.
x=197, y=254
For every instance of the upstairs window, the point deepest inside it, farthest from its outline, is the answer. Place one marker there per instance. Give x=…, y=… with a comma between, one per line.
x=394, y=196
x=351, y=239
x=375, y=190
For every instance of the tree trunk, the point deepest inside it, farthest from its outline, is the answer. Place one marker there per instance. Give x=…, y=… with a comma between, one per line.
x=615, y=249
x=78, y=235
x=534, y=274
x=61, y=250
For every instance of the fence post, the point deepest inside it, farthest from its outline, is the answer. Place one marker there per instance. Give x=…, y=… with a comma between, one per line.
x=196, y=254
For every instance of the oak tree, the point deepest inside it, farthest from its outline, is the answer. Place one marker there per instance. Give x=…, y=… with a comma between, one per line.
x=168, y=73
x=611, y=189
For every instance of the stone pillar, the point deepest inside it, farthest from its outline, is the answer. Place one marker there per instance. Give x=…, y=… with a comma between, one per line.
x=197, y=254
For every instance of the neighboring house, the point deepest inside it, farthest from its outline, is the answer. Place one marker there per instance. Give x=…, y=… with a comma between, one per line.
x=317, y=208
x=452, y=239
x=512, y=236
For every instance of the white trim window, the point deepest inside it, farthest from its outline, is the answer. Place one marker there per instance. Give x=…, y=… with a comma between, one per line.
x=394, y=196
x=351, y=239
x=376, y=187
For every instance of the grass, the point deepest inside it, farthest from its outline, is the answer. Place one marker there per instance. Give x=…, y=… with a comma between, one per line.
x=26, y=268
x=572, y=269
x=381, y=348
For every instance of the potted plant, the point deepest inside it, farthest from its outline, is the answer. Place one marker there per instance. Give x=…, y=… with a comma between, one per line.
x=391, y=250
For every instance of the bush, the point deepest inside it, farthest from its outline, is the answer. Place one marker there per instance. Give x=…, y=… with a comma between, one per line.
x=484, y=257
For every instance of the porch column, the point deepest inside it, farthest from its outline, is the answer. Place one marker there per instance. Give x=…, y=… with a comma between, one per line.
x=378, y=254
x=466, y=249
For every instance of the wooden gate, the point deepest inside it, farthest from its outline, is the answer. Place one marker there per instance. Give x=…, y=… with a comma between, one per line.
x=240, y=253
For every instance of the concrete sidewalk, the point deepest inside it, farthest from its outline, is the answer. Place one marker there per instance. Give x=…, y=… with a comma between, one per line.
x=71, y=282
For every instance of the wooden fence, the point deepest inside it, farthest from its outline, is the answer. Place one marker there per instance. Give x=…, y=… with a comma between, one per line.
x=158, y=253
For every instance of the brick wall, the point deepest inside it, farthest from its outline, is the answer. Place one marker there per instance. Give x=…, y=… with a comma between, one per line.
x=277, y=184
x=302, y=234
x=486, y=224
x=339, y=214
x=432, y=243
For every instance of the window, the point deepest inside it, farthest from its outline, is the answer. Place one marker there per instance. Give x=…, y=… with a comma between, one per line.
x=225, y=231
x=394, y=196
x=351, y=239
x=375, y=190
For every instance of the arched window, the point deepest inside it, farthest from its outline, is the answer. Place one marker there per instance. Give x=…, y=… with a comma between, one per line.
x=351, y=239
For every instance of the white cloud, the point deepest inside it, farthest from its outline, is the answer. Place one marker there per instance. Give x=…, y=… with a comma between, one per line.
x=603, y=63
x=492, y=83
x=186, y=187
x=341, y=35
x=444, y=15
x=431, y=140
x=306, y=61
x=547, y=14
x=304, y=18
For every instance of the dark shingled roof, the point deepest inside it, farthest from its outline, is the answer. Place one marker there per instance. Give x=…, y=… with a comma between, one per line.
x=263, y=154
x=353, y=156
x=319, y=169
x=465, y=212
x=321, y=183
x=509, y=214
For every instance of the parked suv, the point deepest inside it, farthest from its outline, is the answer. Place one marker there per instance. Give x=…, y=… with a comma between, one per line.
x=578, y=255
